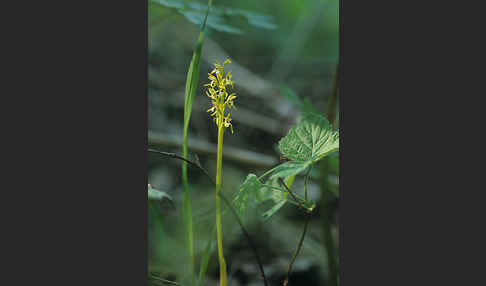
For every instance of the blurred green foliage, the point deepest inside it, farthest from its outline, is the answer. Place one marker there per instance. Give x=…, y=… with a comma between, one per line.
x=220, y=18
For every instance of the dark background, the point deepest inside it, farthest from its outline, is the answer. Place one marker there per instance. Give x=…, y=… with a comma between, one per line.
x=75, y=136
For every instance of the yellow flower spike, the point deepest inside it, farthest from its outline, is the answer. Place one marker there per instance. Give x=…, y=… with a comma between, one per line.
x=220, y=98
x=218, y=93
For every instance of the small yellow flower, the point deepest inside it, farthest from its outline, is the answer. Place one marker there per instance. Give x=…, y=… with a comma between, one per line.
x=220, y=98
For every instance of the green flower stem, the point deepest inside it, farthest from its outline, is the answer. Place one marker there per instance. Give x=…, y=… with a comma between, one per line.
x=222, y=263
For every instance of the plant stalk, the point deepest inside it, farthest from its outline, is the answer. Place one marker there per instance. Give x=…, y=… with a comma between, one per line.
x=222, y=262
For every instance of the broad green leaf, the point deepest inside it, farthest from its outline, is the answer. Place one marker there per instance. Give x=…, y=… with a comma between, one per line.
x=307, y=142
x=255, y=19
x=252, y=192
x=170, y=3
x=310, y=140
x=279, y=197
x=262, y=22
x=216, y=22
x=274, y=209
x=288, y=169
x=225, y=28
x=156, y=195
x=247, y=194
x=272, y=191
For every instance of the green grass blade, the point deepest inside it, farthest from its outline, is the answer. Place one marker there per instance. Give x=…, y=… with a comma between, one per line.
x=191, y=86
x=205, y=257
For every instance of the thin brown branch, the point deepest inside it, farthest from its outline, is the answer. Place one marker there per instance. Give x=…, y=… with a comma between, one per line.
x=203, y=147
x=281, y=181
x=175, y=156
x=301, y=242
x=165, y=281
